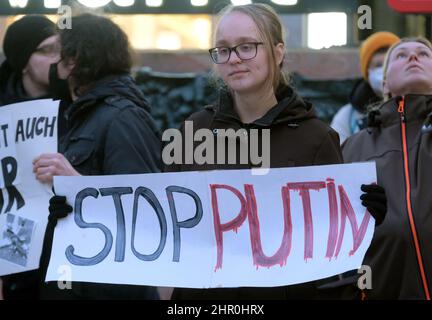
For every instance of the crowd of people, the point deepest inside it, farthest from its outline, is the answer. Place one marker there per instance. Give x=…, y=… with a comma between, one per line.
x=104, y=116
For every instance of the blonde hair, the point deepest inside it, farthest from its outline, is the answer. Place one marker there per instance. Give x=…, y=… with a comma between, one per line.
x=421, y=40
x=271, y=31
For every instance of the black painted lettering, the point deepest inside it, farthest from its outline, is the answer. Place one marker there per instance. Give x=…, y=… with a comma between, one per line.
x=189, y=223
x=116, y=193
x=82, y=261
x=154, y=202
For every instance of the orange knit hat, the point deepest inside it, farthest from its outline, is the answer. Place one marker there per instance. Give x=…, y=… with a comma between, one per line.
x=372, y=44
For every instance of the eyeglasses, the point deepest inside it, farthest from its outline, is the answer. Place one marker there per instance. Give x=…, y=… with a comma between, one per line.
x=245, y=51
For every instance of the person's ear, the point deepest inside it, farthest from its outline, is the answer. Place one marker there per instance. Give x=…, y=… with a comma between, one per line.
x=279, y=53
x=70, y=64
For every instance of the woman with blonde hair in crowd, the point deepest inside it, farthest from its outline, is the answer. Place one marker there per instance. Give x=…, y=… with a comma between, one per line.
x=248, y=54
x=399, y=140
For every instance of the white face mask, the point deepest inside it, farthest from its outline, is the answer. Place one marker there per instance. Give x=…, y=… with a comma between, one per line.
x=376, y=76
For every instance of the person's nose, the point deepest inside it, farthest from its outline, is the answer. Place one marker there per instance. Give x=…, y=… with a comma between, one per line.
x=413, y=56
x=234, y=58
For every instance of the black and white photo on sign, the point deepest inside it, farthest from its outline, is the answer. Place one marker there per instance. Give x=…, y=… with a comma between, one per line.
x=15, y=239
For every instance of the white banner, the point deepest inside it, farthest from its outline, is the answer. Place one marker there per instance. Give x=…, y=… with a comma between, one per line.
x=27, y=129
x=213, y=229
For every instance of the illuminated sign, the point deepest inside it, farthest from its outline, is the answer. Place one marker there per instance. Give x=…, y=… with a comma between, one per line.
x=13, y=7
x=411, y=6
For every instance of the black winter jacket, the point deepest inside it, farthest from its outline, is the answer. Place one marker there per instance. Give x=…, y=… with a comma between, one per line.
x=297, y=138
x=110, y=131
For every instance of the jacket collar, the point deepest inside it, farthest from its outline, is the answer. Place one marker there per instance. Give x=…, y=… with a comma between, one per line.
x=111, y=86
x=290, y=108
x=417, y=108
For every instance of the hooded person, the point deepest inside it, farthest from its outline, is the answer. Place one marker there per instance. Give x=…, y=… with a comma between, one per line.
x=248, y=55
x=109, y=129
x=351, y=118
x=30, y=47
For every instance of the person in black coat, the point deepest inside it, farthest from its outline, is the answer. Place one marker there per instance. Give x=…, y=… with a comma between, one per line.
x=248, y=54
x=109, y=129
x=30, y=46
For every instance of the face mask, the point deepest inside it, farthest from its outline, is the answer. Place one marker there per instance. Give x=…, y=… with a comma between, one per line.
x=376, y=76
x=59, y=88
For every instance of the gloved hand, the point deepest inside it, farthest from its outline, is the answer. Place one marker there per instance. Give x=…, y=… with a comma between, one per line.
x=375, y=200
x=58, y=208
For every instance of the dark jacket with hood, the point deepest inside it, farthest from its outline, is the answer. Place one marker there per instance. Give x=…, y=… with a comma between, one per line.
x=110, y=131
x=297, y=138
x=400, y=142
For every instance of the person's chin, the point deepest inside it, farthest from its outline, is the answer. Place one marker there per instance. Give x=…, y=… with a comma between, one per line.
x=414, y=79
x=238, y=84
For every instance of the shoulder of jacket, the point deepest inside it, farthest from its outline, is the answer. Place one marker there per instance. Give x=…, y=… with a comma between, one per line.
x=205, y=114
x=353, y=144
x=202, y=118
x=316, y=125
x=108, y=109
x=114, y=106
x=119, y=103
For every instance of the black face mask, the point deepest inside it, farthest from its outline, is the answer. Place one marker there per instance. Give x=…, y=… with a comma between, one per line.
x=59, y=88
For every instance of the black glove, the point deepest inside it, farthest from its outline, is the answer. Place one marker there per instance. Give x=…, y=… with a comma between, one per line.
x=58, y=208
x=375, y=200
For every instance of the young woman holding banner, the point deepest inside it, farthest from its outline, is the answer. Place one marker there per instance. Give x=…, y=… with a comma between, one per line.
x=248, y=55
x=249, y=52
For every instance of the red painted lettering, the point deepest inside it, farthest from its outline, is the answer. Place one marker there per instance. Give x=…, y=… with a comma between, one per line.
x=303, y=188
x=348, y=211
x=334, y=217
x=231, y=225
x=281, y=255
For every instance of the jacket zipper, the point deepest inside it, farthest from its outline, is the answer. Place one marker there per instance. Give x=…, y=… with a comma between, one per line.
x=401, y=110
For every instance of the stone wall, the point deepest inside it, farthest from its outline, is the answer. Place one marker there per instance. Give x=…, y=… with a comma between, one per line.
x=174, y=96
